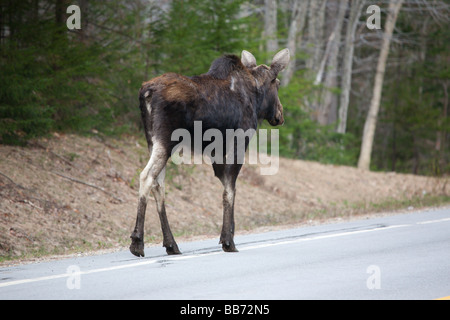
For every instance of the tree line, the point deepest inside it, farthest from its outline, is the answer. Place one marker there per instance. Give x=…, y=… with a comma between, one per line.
x=376, y=98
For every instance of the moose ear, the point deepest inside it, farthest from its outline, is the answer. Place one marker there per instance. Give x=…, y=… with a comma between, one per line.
x=280, y=61
x=248, y=59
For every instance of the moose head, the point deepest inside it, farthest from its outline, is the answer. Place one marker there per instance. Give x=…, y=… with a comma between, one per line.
x=268, y=84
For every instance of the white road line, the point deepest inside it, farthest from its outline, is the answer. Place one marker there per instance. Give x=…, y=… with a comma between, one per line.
x=434, y=221
x=125, y=266
x=193, y=256
x=334, y=235
x=64, y=275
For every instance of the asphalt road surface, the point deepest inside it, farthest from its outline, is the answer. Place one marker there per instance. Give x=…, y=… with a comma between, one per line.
x=401, y=256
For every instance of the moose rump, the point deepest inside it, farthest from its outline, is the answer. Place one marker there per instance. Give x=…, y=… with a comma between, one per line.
x=234, y=94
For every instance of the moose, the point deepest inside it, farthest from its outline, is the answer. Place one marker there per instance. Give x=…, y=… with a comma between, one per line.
x=234, y=94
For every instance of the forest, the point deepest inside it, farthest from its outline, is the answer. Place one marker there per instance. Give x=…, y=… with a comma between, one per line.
x=367, y=84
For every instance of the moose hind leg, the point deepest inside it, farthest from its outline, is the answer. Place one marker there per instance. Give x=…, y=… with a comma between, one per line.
x=168, y=239
x=148, y=180
x=137, y=237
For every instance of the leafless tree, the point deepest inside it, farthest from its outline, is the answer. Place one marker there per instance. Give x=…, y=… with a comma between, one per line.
x=297, y=23
x=347, y=63
x=372, y=116
x=270, y=25
x=329, y=100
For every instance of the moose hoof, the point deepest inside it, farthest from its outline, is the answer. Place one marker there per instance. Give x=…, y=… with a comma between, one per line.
x=228, y=246
x=137, y=247
x=172, y=249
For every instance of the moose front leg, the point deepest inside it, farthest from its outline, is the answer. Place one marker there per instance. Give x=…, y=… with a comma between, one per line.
x=227, y=174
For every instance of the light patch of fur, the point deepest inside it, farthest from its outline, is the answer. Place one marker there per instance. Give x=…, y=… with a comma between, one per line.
x=149, y=178
x=230, y=195
x=149, y=107
x=159, y=193
x=229, y=191
x=232, y=83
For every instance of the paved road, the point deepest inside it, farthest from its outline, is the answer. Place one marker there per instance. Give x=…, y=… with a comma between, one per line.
x=403, y=256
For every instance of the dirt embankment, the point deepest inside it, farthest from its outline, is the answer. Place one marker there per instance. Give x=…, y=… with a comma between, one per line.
x=72, y=193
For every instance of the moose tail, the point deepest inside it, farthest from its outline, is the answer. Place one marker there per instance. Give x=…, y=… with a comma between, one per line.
x=145, y=99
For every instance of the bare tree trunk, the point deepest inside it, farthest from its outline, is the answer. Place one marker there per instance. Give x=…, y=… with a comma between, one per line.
x=320, y=31
x=441, y=135
x=270, y=25
x=347, y=67
x=84, y=33
x=60, y=17
x=324, y=115
x=297, y=24
x=316, y=19
x=371, y=120
x=312, y=13
x=2, y=24
x=316, y=52
x=326, y=54
x=60, y=12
